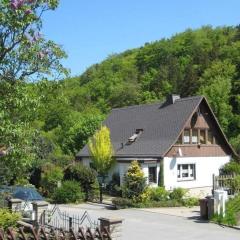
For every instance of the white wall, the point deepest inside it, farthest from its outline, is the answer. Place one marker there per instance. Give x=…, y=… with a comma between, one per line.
x=122, y=168
x=205, y=168
x=85, y=161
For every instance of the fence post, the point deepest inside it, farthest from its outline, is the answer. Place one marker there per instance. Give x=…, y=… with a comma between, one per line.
x=14, y=204
x=70, y=223
x=114, y=227
x=39, y=209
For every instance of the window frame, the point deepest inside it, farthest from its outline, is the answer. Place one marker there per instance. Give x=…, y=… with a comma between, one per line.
x=196, y=131
x=155, y=176
x=180, y=172
x=189, y=136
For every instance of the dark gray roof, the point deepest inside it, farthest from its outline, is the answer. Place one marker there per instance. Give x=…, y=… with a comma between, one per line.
x=161, y=124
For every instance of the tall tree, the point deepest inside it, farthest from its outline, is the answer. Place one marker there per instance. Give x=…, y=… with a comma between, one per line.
x=101, y=150
x=24, y=55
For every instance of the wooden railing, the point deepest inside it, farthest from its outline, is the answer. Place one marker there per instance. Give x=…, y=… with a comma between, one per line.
x=223, y=182
x=31, y=233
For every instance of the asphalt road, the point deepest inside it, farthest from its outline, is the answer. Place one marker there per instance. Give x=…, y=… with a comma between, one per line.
x=146, y=225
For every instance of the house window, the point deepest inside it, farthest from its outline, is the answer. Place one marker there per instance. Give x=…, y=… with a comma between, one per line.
x=202, y=136
x=186, y=171
x=186, y=137
x=152, y=174
x=210, y=137
x=194, y=136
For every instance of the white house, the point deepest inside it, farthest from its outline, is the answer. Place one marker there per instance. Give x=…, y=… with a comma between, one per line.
x=180, y=137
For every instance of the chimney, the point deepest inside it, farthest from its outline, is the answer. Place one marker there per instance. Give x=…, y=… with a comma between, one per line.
x=172, y=98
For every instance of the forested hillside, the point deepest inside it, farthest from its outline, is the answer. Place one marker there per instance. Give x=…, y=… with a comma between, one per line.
x=204, y=61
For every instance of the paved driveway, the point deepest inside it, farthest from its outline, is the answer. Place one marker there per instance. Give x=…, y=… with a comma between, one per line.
x=150, y=225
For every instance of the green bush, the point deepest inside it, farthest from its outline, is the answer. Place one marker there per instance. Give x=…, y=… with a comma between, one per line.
x=232, y=167
x=113, y=187
x=235, y=184
x=190, y=202
x=232, y=213
x=159, y=194
x=129, y=203
x=123, y=202
x=178, y=194
x=69, y=192
x=86, y=177
x=94, y=191
x=134, y=182
x=50, y=177
x=8, y=219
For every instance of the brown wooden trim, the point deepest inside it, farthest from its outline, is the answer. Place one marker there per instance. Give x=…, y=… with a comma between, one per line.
x=198, y=135
x=190, y=135
x=206, y=136
x=202, y=150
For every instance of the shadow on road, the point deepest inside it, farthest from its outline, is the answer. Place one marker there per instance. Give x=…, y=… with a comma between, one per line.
x=198, y=219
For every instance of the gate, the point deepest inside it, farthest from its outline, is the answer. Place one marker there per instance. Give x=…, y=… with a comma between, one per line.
x=57, y=219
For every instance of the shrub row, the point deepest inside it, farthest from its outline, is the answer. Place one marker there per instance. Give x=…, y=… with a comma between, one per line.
x=157, y=197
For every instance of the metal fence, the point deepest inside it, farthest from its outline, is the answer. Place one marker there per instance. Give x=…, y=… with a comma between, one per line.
x=57, y=219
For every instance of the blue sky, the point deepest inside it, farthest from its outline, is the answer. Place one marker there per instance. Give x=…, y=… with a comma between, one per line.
x=91, y=30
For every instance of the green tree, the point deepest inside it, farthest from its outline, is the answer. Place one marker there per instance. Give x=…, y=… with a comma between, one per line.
x=83, y=175
x=218, y=95
x=101, y=150
x=51, y=176
x=78, y=134
x=134, y=182
x=24, y=55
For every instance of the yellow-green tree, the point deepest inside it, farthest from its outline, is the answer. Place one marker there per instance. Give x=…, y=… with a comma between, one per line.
x=101, y=150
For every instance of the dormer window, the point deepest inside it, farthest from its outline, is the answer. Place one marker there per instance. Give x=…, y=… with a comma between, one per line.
x=135, y=135
x=194, y=136
x=202, y=136
x=210, y=137
x=186, y=136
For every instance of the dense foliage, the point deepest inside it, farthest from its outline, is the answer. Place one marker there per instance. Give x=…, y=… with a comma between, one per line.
x=86, y=177
x=50, y=179
x=232, y=213
x=69, y=192
x=8, y=219
x=25, y=55
x=204, y=61
x=157, y=197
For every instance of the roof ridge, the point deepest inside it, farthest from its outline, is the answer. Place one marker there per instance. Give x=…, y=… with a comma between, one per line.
x=157, y=102
x=189, y=98
x=138, y=105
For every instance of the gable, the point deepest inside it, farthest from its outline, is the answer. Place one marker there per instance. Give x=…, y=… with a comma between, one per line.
x=201, y=136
